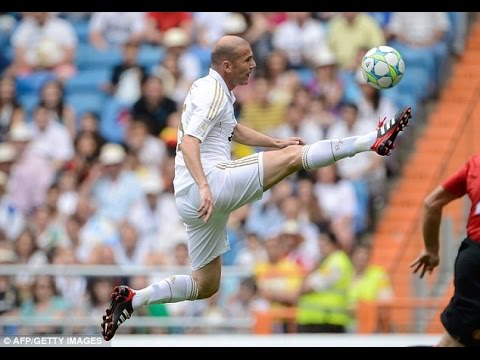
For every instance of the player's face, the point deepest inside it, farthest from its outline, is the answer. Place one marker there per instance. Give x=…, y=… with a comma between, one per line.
x=243, y=66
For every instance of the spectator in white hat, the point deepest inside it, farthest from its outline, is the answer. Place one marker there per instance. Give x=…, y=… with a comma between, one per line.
x=111, y=188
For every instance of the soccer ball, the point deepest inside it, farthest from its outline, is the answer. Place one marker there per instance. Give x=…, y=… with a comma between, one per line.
x=382, y=67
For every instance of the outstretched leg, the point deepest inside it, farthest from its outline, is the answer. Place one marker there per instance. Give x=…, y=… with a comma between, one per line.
x=279, y=164
x=202, y=284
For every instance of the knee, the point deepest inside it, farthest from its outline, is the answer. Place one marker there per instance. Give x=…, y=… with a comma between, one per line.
x=292, y=155
x=207, y=290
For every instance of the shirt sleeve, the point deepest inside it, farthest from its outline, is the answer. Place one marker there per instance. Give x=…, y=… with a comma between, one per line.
x=206, y=107
x=457, y=182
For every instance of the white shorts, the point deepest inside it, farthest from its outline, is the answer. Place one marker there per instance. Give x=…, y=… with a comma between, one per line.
x=233, y=184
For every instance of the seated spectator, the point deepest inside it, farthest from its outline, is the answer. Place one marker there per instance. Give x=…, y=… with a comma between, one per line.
x=11, y=112
x=151, y=151
x=300, y=37
x=297, y=124
x=27, y=253
x=326, y=82
x=422, y=34
x=160, y=22
x=154, y=105
x=113, y=29
x=12, y=220
x=32, y=173
x=52, y=97
x=87, y=148
x=45, y=304
x=331, y=189
x=43, y=41
x=260, y=112
x=126, y=79
x=52, y=137
x=278, y=279
x=358, y=30
x=113, y=189
x=370, y=282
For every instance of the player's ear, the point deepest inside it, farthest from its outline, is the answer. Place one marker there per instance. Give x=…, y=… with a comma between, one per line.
x=227, y=66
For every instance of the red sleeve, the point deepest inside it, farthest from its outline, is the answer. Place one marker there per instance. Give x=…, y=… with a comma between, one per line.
x=457, y=182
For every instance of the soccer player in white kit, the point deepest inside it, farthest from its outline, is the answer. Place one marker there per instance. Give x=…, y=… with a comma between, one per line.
x=209, y=185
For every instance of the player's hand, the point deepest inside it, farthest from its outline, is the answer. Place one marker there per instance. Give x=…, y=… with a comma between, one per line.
x=294, y=140
x=206, y=205
x=426, y=261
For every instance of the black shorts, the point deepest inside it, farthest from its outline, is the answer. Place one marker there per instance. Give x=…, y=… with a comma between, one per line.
x=461, y=317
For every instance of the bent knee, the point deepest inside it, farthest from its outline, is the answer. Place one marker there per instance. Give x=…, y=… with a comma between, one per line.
x=206, y=291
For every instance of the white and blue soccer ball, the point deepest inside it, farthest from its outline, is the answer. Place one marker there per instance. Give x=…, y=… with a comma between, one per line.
x=382, y=67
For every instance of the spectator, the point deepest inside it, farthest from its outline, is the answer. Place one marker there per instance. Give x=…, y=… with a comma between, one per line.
x=12, y=220
x=331, y=189
x=322, y=302
x=297, y=124
x=32, y=173
x=43, y=41
x=366, y=173
x=278, y=278
x=27, y=253
x=370, y=282
x=357, y=30
x=52, y=97
x=259, y=112
x=45, y=302
x=87, y=148
x=326, y=82
x=110, y=30
x=160, y=22
x=11, y=112
x=154, y=105
x=300, y=37
x=150, y=150
x=51, y=138
x=127, y=76
x=113, y=189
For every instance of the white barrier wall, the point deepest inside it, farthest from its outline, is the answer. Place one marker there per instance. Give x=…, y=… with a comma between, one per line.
x=293, y=340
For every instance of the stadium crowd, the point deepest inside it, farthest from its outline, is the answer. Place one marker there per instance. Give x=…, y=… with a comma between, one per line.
x=89, y=109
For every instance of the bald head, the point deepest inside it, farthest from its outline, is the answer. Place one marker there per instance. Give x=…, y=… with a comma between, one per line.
x=227, y=48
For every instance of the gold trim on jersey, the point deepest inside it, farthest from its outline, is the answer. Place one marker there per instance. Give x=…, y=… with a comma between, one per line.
x=249, y=160
x=217, y=99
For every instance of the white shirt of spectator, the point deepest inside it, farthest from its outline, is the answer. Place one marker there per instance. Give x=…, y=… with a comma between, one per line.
x=57, y=34
x=300, y=43
x=54, y=140
x=117, y=27
x=207, y=115
x=418, y=26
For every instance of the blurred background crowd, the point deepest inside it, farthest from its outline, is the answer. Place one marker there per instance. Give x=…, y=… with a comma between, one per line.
x=89, y=110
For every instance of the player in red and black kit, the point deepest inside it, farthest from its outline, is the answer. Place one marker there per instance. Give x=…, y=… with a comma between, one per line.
x=461, y=317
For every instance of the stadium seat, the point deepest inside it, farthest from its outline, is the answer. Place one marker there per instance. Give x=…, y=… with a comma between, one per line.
x=81, y=29
x=113, y=120
x=149, y=55
x=89, y=80
x=305, y=75
x=85, y=102
x=32, y=83
x=88, y=57
x=28, y=102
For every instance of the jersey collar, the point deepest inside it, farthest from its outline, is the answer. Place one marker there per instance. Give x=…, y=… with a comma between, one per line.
x=222, y=82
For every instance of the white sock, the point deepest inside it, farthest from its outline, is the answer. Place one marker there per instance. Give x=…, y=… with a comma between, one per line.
x=326, y=152
x=173, y=289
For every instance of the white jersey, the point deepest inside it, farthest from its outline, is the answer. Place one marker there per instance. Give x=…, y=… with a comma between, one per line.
x=207, y=115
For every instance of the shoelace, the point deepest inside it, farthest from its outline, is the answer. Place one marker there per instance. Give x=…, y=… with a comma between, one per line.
x=380, y=122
